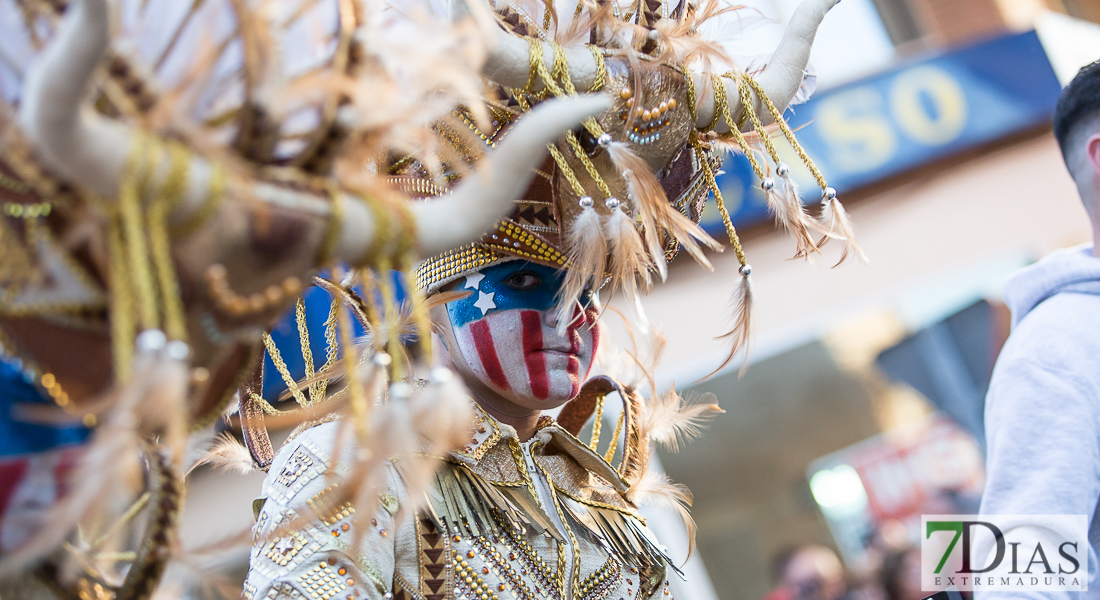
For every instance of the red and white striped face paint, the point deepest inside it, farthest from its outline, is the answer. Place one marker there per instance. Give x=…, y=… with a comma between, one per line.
x=509, y=340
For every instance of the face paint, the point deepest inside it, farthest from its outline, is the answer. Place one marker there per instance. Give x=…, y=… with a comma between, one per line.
x=507, y=336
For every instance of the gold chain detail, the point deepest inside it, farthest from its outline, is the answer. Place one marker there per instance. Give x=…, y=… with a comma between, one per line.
x=601, y=70
x=765, y=137
x=172, y=191
x=567, y=171
x=280, y=366
x=721, y=104
x=307, y=352
x=786, y=129
x=597, y=424
x=143, y=157
x=588, y=165
x=615, y=438
x=731, y=231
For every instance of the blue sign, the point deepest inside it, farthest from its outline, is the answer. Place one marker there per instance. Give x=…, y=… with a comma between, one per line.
x=916, y=113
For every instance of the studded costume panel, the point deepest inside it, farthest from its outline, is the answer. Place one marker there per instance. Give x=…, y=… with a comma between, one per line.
x=484, y=535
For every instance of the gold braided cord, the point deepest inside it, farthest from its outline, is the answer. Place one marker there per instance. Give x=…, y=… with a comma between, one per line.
x=601, y=69
x=566, y=170
x=588, y=165
x=721, y=104
x=561, y=71
x=731, y=231
x=615, y=438
x=538, y=66
x=267, y=407
x=175, y=185
x=597, y=424
x=307, y=352
x=209, y=205
x=280, y=366
x=547, y=15
x=765, y=137
x=332, y=348
x=739, y=137
x=692, y=96
x=122, y=303
x=143, y=155
x=535, y=59
x=786, y=129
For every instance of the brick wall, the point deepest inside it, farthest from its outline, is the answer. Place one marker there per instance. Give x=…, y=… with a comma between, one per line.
x=958, y=21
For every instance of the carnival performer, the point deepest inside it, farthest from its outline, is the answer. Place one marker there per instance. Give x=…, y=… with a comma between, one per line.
x=156, y=221
x=522, y=508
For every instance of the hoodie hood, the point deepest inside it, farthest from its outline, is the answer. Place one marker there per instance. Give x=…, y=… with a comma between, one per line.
x=1071, y=270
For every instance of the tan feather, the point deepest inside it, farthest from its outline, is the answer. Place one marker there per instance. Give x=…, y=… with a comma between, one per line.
x=671, y=420
x=836, y=222
x=586, y=250
x=227, y=454
x=658, y=216
x=740, y=336
x=655, y=488
x=630, y=263
x=789, y=213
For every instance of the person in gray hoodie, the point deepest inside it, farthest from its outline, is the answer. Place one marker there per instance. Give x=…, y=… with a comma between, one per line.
x=1042, y=414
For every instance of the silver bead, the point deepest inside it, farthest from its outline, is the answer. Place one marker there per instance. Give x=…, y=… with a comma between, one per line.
x=177, y=350
x=585, y=202
x=653, y=35
x=604, y=140
x=400, y=390
x=611, y=203
x=768, y=184
x=440, y=375
x=150, y=340
x=745, y=270
x=829, y=193
x=782, y=170
x=381, y=359
x=388, y=596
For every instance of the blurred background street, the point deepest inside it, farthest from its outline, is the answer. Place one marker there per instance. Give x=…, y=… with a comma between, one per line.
x=862, y=408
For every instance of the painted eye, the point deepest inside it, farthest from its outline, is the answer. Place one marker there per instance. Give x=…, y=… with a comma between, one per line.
x=523, y=280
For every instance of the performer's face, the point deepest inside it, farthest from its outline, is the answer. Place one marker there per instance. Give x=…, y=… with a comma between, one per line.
x=504, y=341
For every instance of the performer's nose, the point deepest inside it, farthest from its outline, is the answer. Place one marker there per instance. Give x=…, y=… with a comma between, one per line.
x=578, y=319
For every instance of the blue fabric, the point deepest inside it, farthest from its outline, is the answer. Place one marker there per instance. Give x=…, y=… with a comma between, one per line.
x=17, y=437
x=286, y=338
x=508, y=286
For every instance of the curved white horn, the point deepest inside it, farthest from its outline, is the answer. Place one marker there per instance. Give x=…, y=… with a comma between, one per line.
x=508, y=63
x=484, y=197
x=509, y=60
x=786, y=69
x=77, y=145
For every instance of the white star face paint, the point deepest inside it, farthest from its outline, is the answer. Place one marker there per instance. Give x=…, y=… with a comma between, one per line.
x=485, y=302
x=507, y=337
x=473, y=281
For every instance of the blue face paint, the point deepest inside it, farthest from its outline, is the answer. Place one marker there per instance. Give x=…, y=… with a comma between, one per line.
x=512, y=285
